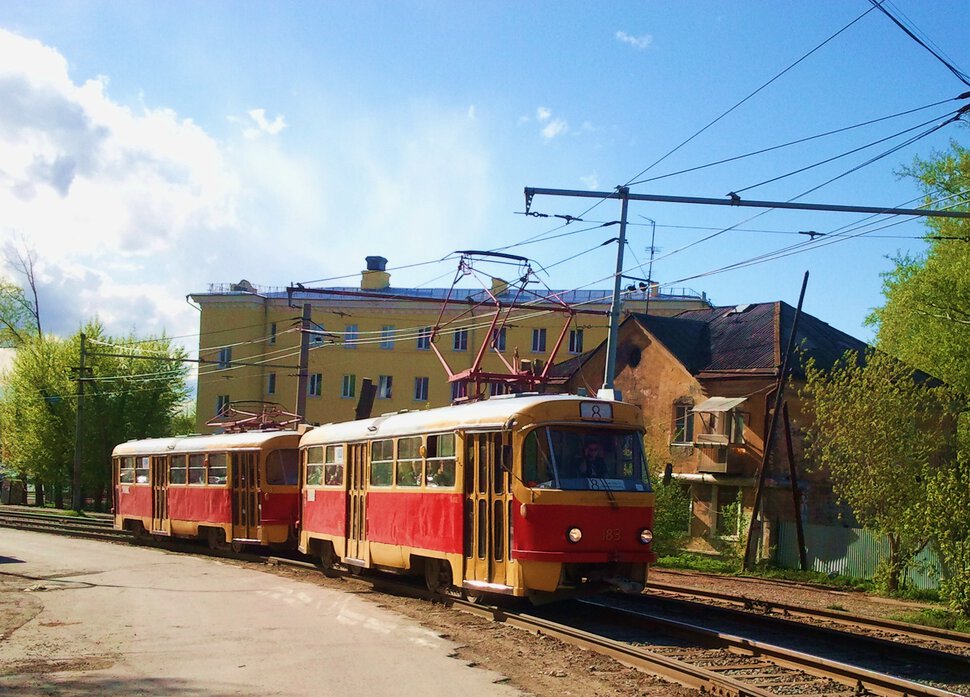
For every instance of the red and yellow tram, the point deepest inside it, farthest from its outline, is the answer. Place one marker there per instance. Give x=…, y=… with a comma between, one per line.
x=523, y=495
x=231, y=490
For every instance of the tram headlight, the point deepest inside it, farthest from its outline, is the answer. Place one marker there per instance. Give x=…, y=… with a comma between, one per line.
x=646, y=536
x=574, y=535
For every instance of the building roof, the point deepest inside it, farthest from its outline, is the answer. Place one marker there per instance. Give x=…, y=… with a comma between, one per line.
x=742, y=339
x=356, y=294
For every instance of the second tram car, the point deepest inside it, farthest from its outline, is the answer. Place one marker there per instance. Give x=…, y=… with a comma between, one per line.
x=231, y=489
x=523, y=495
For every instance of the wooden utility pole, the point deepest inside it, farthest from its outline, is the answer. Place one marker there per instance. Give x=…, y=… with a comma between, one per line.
x=302, y=374
x=795, y=494
x=770, y=435
x=76, y=497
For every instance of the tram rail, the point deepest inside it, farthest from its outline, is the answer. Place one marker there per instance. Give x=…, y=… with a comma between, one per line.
x=789, y=612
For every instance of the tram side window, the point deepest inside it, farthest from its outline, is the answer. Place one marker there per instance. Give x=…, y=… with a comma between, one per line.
x=126, y=472
x=282, y=467
x=141, y=470
x=441, y=460
x=382, y=463
x=409, y=463
x=197, y=469
x=536, y=467
x=314, y=465
x=333, y=468
x=217, y=468
x=176, y=470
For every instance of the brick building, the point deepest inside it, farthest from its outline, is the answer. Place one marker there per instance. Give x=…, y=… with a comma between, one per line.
x=705, y=380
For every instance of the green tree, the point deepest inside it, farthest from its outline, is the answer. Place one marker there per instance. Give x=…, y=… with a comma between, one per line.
x=882, y=432
x=926, y=323
x=136, y=393
x=926, y=318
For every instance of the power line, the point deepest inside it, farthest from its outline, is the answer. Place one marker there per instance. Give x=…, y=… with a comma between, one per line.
x=961, y=76
x=795, y=142
x=752, y=94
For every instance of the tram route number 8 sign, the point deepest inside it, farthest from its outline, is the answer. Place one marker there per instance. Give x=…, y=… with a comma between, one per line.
x=596, y=411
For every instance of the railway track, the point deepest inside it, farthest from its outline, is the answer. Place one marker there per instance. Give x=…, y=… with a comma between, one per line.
x=694, y=656
x=885, y=628
x=95, y=526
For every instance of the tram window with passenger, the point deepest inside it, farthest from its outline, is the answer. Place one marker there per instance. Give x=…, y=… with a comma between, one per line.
x=126, y=473
x=282, y=467
x=584, y=459
x=409, y=465
x=382, y=463
x=441, y=460
x=333, y=468
x=314, y=466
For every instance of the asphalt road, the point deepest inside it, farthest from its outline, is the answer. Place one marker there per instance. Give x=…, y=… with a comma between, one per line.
x=82, y=618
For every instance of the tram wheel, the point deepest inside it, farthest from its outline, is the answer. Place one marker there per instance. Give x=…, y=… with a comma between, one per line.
x=237, y=547
x=216, y=539
x=437, y=575
x=474, y=597
x=327, y=557
x=139, y=534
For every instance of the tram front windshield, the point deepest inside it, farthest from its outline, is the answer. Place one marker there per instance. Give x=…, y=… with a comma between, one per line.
x=579, y=458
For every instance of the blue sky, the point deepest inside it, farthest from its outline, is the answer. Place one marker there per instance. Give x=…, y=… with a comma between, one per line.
x=149, y=149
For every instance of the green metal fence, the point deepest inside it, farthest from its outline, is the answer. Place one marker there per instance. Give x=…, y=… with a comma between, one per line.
x=851, y=552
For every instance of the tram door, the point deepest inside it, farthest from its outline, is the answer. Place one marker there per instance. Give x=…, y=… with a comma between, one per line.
x=160, y=521
x=245, y=495
x=357, y=547
x=488, y=488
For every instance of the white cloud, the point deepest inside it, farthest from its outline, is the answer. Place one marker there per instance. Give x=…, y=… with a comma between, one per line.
x=258, y=117
x=131, y=208
x=554, y=128
x=93, y=185
x=543, y=114
x=591, y=181
x=638, y=42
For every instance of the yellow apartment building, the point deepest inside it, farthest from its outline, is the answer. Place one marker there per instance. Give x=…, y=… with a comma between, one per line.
x=250, y=340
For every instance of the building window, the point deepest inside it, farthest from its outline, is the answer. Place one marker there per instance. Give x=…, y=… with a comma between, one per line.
x=538, y=341
x=497, y=388
x=576, y=341
x=683, y=425
x=348, y=388
x=424, y=339
x=350, y=336
x=460, y=340
x=387, y=336
x=420, y=389
x=272, y=333
x=498, y=339
x=384, y=385
x=222, y=404
x=314, y=387
x=225, y=357
x=458, y=391
x=271, y=384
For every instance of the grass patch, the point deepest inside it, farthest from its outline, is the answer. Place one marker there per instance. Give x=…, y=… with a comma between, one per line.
x=936, y=617
x=697, y=562
x=838, y=607
x=717, y=565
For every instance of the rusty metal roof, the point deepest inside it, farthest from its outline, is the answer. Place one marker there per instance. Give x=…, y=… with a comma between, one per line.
x=747, y=338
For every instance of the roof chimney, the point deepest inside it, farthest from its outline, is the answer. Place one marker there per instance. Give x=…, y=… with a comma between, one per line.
x=374, y=277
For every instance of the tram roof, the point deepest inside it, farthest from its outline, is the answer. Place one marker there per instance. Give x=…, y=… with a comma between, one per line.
x=489, y=413
x=194, y=444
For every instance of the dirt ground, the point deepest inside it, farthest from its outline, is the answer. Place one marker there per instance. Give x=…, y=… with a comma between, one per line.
x=547, y=667
x=538, y=664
